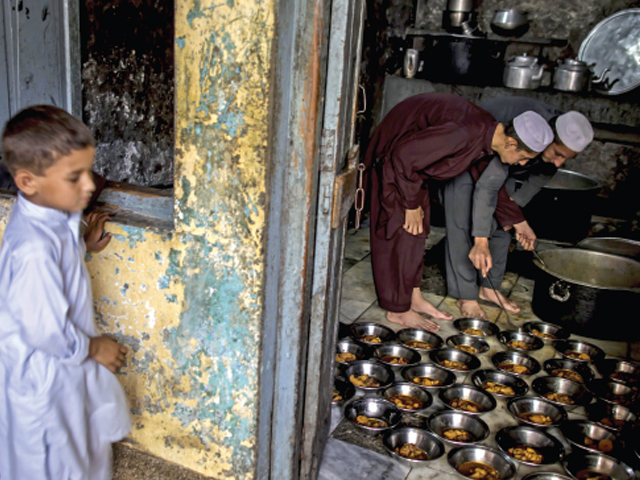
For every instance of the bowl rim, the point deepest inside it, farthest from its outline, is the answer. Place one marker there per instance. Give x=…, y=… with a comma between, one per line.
x=557, y=445
x=422, y=431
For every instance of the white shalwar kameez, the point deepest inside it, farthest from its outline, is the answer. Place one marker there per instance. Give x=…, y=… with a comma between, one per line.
x=59, y=410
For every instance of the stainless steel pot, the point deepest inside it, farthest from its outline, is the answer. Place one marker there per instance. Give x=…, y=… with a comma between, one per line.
x=589, y=293
x=460, y=5
x=522, y=72
x=575, y=76
x=510, y=22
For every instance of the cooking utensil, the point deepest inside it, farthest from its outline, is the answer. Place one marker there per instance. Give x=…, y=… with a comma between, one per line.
x=522, y=72
x=510, y=22
x=615, y=246
x=575, y=76
x=613, y=43
x=460, y=5
x=501, y=304
x=411, y=59
x=588, y=293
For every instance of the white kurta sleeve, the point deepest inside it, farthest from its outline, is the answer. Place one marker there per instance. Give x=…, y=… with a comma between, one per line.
x=39, y=305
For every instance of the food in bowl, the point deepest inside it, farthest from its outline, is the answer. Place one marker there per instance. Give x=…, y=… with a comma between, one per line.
x=371, y=339
x=371, y=422
x=465, y=405
x=411, y=451
x=364, y=381
x=337, y=397
x=525, y=453
x=479, y=471
x=457, y=435
x=407, y=402
x=514, y=368
x=453, y=365
x=568, y=374
x=543, y=334
x=427, y=381
x=466, y=348
x=418, y=344
x=395, y=360
x=345, y=357
x=560, y=398
x=591, y=475
x=578, y=355
x=499, y=388
x=537, y=418
x=474, y=331
x=624, y=377
x=612, y=422
x=520, y=345
x=604, y=445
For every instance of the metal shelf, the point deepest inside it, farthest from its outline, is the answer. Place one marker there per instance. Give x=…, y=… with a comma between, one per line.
x=492, y=37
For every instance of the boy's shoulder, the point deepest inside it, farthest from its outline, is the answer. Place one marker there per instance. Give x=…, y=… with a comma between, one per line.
x=29, y=235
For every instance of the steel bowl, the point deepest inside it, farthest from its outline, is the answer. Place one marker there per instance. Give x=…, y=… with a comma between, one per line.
x=597, y=463
x=407, y=335
x=545, y=476
x=345, y=389
x=611, y=416
x=486, y=403
x=382, y=373
x=445, y=420
x=425, y=441
x=613, y=392
x=373, y=408
x=531, y=342
x=503, y=464
x=546, y=445
x=578, y=393
x=549, y=328
x=394, y=350
x=348, y=345
x=410, y=389
x=565, y=347
x=471, y=362
x=554, y=365
x=429, y=370
x=620, y=371
x=518, y=407
x=505, y=358
x=482, y=377
x=480, y=345
x=361, y=330
x=509, y=19
x=485, y=326
x=575, y=432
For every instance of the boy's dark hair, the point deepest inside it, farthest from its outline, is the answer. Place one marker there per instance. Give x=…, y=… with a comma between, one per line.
x=510, y=131
x=37, y=136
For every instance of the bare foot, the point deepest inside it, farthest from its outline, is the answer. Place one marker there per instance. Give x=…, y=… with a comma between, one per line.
x=494, y=296
x=421, y=305
x=471, y=309
x=413, y=320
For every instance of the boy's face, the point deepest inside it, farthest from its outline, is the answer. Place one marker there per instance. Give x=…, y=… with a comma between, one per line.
x=67, y=184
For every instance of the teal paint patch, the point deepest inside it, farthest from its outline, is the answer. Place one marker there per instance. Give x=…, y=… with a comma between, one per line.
x=134, y=235
x=180, y=42
x=118, y=237
x=171, y=298
x=195, y=12
x=117, y=270
x=123, y=289
x=163, y=282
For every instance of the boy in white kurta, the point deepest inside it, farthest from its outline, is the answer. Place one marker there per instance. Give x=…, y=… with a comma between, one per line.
x=61, y=406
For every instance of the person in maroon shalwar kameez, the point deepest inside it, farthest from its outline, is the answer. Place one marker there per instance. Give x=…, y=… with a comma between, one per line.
x=428, y=136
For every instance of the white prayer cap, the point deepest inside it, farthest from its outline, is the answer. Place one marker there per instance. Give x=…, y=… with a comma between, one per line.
x=574, y=130
x=533, y=130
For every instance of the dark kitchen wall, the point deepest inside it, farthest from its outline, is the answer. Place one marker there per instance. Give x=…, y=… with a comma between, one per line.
x=615, y=163
x=128, y=87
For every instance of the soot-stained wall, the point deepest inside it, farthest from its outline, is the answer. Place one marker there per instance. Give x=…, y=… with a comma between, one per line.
x=128, y=87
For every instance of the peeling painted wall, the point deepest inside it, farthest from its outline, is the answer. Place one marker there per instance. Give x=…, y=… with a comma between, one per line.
x=189, y=302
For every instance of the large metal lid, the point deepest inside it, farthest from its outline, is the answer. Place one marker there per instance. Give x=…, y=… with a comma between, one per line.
x=614, y=43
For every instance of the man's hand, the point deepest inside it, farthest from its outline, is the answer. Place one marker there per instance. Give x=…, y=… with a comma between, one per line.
x=94, y=236
x=525, y=235
x=480, y=255
x=108, y=352
x=413, y=221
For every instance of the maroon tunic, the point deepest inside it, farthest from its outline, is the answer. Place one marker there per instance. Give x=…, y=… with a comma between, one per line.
x=429, y=136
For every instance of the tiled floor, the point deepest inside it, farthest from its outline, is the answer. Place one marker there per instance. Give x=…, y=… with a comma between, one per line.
x=350, y=454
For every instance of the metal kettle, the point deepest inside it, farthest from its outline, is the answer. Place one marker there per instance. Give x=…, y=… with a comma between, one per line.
x=575, y=76
x=522, y=72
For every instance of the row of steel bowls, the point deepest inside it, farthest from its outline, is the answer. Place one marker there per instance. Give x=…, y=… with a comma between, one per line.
x=375, y=401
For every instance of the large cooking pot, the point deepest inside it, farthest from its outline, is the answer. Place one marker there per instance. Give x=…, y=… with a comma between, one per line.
x=562, y=209
x=522, y=72
x=589, y=293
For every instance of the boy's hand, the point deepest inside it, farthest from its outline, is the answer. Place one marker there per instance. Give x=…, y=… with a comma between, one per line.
x=108, y=352
x=413, y=221
x=94, y=236
x=480, y=255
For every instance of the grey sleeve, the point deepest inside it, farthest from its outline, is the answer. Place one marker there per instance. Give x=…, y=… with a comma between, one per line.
x=485, y=197
x=530, y=188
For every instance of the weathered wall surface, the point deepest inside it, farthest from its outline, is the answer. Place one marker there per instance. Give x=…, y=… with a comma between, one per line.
x=128, y=87
x=189, y=302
